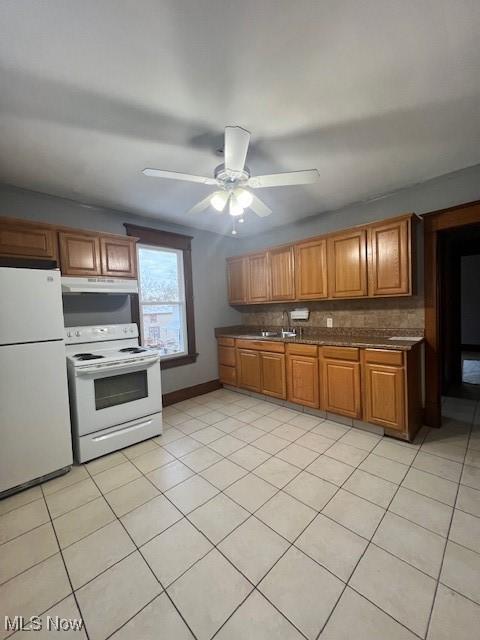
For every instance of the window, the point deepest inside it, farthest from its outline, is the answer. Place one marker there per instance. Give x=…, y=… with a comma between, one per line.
x=161, y=296
x=165, y=300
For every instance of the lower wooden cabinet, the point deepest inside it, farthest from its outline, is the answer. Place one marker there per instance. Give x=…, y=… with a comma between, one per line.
x=379, y=386
x=227, y=361
x=302, y=378
x=341, y=390
x=227, y=375
x=261, y=371
x=385, y=391
x=385, y=396
x=272, y=370
x=248, y=370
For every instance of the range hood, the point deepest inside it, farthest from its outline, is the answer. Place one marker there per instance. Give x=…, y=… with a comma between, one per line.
x=98, y=285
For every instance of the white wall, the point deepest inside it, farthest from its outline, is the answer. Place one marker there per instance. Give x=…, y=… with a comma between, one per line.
x=470, y=276
x=208, y=264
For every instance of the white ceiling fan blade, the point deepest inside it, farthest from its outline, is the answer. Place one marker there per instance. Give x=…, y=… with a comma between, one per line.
x=259, y=207
x=284, y=179
x=175, y=175
x=202, y=205
x=236, y=147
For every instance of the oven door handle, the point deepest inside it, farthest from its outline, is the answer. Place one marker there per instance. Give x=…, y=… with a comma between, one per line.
x=121, y=368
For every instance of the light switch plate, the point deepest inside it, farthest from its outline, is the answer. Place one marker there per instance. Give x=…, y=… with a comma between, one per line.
x=329, y=323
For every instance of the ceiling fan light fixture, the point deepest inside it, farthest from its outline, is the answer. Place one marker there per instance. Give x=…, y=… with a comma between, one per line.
x=244, y=197
x=235, y=208
x=219, y=200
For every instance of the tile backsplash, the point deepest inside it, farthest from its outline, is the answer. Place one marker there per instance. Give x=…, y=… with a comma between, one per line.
x=385, y=313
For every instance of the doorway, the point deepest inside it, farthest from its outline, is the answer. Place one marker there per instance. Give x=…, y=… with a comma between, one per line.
x=460, y=311
x=452, y=306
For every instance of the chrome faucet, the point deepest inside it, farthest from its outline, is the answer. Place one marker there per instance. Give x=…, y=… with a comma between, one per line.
x=287, y=331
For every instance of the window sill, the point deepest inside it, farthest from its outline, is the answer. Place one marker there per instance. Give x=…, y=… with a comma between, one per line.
x=178, y=361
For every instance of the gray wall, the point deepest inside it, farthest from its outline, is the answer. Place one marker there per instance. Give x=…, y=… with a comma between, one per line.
x=446, y=191
x=470, y=275
x=208, y=261
x=452, y=189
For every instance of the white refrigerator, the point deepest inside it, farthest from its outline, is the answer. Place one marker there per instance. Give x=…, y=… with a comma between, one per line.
x=35, y=436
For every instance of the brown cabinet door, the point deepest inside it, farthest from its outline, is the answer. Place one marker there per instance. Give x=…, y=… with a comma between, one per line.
x=302, y=380
x=257, y=268
x=27, y=240
x=311, y=270
x=226, y=356
x=227, y=375
x=347, y=264
x=389, y=265
x=273, y=374
x=248, y=370
x=280, y=263
x=79, y=254
x=119, y=257
x=237, y=280
x=385, y=396
x=341, y=387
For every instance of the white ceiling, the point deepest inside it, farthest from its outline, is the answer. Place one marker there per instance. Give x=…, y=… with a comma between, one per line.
x=376, y=94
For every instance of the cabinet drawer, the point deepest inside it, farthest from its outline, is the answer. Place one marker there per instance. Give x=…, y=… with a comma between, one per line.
x=261, y=345
x=384, y=356
x=226, y=342
x=227, y=375
x=341, y=353
x=226, y=356
x=302, y=349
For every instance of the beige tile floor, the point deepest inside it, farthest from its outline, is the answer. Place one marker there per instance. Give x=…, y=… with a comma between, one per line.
x=247, y=520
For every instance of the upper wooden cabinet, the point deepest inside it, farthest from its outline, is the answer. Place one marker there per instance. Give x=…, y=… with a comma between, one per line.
x=79, y=254
x=347, y=264
x=119, y=257
x=21, y=239
x=311, y=270
x=258, y=280
x=281, y=268
x=374, y=260
x=389, y=249
x=237, y=280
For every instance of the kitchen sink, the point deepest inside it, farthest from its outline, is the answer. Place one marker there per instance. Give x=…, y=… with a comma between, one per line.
x=274, y=334
x=270, y=334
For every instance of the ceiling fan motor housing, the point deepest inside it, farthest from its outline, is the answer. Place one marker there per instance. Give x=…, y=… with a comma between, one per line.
x=230, y=177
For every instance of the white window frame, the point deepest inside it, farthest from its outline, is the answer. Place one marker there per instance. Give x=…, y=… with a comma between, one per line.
x=181, y=303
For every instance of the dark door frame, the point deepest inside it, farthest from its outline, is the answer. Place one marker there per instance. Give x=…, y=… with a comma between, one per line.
x=434, y=223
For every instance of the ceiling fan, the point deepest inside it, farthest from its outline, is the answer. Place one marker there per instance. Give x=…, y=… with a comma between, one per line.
x=233, y=179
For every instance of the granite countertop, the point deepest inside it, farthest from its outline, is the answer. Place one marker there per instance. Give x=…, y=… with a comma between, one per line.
x=321, y=338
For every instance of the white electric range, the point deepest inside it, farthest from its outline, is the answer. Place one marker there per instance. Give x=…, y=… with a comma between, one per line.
x=115, y=389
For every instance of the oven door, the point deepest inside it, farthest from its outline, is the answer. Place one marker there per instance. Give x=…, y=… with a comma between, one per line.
x=106, y=396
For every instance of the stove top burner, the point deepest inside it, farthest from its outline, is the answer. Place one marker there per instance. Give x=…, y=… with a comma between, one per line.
x=132, y=350
x=86, y=356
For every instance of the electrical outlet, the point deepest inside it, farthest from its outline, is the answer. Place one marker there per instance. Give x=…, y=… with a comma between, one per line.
x=329, y=323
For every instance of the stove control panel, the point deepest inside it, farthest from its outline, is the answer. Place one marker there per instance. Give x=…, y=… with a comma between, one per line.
x=100, y=333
